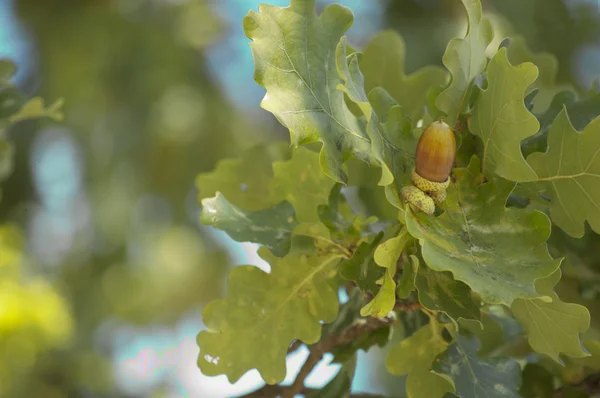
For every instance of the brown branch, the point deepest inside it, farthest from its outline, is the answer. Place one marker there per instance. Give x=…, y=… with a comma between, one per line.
x=276, y=391
x=316, y=354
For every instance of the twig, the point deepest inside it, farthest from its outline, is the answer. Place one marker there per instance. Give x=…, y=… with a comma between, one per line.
x=316, y=354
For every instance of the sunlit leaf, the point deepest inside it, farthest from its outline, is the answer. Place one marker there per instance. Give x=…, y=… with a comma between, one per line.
x=501, y=120
x=553, y=327
x=271, y=227
x=386, y=256
x=295, y=60
x=301, y=182
x=569, y=173
x=499, y=252
x=475, y=377
x=383, y=66
x=264, y=313
x=465, y=59
x=246, y=180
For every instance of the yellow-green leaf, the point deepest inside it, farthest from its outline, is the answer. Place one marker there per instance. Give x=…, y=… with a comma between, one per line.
x=553, y=327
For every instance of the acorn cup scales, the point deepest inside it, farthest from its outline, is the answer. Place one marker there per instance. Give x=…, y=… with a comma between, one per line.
x=434, y=158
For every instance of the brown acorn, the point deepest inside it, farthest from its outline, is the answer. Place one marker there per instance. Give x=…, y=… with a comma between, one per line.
x=435, y=153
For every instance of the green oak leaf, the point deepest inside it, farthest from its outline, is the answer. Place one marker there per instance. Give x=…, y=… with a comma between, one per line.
x=568, y=173
x=361, y=268
x=501, y=120
x=439, y=292
x=245, y=180
x=581, y=112
x=465, y=59
x=35, y=109
x=390, y=141
x=537, y=382
x=475, y=377
x=498, y=252
x=295, y=61
x=383, y=66
x=406, y=285
x=414, y=356
x=518, y=52
x=271, y=227
x=553, y=327
x=383, y=303
x=386, y=256
x=263, y=313
x=301, y=182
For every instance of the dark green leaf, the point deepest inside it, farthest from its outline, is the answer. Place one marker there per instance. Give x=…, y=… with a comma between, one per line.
x=474, y=377
x=271, y=227
x=439, y=292
x=499, y=252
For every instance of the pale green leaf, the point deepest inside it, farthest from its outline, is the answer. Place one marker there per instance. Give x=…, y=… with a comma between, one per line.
x=406, y=285
x=295, y=60
x=35, y=109
x=263, y=313
x=271, y=227
x=424, y=383
x=386, y=256
x=501, y=120
x=383, y=303
x=569, y=174
x=499, y=252
x=417, y=351
x=465, y=59
x=301, y=182
x=245, y=180
x=553, y=327
x=439, y=292
x=414, y=356
x=383, y=66
x=475, y=377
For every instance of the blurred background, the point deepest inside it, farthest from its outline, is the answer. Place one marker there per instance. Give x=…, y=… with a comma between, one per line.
x=104, y=267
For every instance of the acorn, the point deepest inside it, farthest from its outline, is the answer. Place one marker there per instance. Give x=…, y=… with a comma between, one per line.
x=435, y=153
x=434, y=158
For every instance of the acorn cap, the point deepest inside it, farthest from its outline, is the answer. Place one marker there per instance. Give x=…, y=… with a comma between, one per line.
x=435, y=153
x=419, y=199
